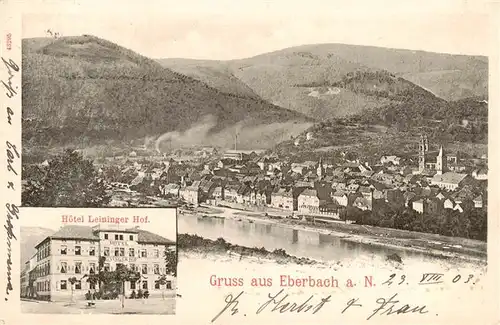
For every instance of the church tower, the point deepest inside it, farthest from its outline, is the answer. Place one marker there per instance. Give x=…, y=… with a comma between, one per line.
x=423, y=148
x=441, y=162
x=320, y=171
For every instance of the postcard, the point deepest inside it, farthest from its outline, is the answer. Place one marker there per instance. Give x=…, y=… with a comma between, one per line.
x=249, y=162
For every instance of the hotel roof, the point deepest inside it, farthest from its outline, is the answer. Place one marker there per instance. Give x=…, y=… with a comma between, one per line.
x=88, y=233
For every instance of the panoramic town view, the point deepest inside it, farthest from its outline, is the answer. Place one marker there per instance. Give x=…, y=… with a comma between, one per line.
x=322, y=153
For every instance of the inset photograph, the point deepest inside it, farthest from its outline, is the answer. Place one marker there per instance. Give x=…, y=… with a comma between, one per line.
x=98, y=261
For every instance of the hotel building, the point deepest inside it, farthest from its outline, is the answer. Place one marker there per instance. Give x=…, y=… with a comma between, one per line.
x=74, y=251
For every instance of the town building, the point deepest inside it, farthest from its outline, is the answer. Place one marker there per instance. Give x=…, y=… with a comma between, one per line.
x=308, y=201
x=74, y=251
x=430, y=161
x=191, y=194
x=283, y=199
x=450, y=180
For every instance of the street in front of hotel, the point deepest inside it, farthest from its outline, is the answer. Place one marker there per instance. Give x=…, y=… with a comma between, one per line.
x=156, y=306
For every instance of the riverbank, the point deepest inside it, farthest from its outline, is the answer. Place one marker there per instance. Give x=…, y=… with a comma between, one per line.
x=433, y=245
x=198, y=244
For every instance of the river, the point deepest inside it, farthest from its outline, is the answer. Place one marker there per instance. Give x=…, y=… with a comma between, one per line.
x=297, y=242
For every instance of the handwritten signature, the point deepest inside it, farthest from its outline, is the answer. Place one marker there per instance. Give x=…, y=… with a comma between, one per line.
x=280, y=302
x=11, y=68
x=12, y=211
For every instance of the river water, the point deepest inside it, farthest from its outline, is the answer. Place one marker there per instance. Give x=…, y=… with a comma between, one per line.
x=297, y=242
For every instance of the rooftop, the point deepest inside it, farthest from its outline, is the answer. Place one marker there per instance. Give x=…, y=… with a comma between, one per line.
x=88, y=233
x=449, y=178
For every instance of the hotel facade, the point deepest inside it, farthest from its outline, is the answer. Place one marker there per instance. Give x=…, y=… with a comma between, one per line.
x=74, y=251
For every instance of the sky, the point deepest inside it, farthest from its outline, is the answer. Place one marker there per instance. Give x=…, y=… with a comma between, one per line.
x=193, y=29
x=160, y=221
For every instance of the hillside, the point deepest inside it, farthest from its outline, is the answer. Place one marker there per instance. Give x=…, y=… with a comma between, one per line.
x=298, y=78
x=83, y=91
x=30, y=237
x=395, y=130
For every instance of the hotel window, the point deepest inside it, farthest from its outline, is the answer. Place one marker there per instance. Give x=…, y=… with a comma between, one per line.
x=131, y=252
x=117, y=251
x=144, y=253
x=121, y=237
x=106, y=267
x=169, y=284
x=145, y=285
x=132, y=285
x=131, y=237
x=92, y=251
x=92, y=268
x=64, y=285
x=156, y=269
x=64, y=249
x=78, y=250
x=106, y=251
x=144, y=269
x=157, y=284
x=122, y=251
x=78, y=267
x=78, y=285
x=105, y=236
x=64, y=267
x=48, y=251
x=116, y=237
x=157, y=253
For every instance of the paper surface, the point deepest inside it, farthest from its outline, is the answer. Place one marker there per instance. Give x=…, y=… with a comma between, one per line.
x=248, y=162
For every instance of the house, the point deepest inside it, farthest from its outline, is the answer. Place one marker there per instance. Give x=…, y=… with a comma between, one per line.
x=409, y=197
x=418, y=205
x=263, y=197
x=190, y=194
x=231, y=192
x=283, y=199
x=395, y=160
x=440, y=196
x=467, y=205
x=206, y=189
x=363, y=203
x=243, y=195
x=480, y=174
x=478, y=202
x=427, y=205
x=449, y=204
x=341, y=198
x=450, y=180
x=299, y=169
x=218, y=193
x=170, y=189
x=308, y=201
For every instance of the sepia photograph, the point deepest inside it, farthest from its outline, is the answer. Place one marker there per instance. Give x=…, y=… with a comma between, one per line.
x=313, y=149
x=98, y=261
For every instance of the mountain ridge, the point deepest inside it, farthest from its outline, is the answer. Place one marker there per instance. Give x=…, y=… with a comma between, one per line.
x=86, y=89
x=272, y=75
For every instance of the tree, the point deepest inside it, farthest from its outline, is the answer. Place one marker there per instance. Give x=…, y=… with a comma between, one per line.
x=72, y=282
x=163, y=282
x=123, y=274
x=170, y=261
x=69, y=180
